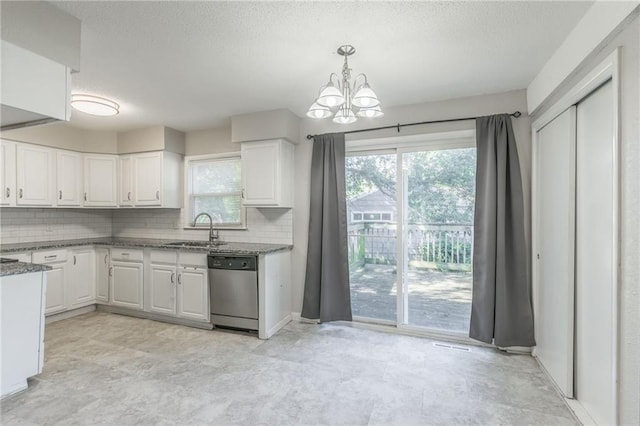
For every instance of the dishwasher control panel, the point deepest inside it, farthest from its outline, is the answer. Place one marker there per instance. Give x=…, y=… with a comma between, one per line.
x=241, y=263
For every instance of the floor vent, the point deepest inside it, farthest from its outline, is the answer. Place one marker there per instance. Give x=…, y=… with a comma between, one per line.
x=457, y=348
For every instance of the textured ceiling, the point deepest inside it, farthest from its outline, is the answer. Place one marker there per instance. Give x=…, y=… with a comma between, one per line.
x=191, y=65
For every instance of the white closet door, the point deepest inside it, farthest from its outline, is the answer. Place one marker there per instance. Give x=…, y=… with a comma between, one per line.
x=596, y=255
x=555, y=226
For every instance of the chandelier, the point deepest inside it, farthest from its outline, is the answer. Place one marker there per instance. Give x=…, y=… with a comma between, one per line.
x=346, y=101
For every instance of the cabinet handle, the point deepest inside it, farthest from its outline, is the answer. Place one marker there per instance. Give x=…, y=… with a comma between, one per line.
x=111, y=271
x=173, y=276
x=51, y=257
x=242, y=196
x=129, y=196
x=157, y=195
x=20, y=193
x=85, y=196
x=179, y=278
x=105, y=258
x=60, y=195
x=8, y=192
x=74, y=260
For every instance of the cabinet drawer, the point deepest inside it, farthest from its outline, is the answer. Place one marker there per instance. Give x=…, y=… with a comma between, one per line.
x=126, y=254
x=164, y=256
x=193, y=259
x=50, y=256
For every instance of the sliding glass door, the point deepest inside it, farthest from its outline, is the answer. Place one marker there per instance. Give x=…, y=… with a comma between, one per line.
x=410, y=220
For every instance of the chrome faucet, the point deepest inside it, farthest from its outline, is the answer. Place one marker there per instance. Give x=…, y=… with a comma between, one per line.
x=213, y=235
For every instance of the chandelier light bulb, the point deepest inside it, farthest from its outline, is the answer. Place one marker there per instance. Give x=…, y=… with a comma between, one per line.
x=318, y=111
x=330, y=97
x=373, y=112
x=365, y=97
x=345, y=116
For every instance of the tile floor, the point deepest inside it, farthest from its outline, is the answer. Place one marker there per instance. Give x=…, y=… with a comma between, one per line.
x=113, y=370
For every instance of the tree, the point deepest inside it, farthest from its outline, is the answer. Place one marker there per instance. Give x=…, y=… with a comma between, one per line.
x=441, y=184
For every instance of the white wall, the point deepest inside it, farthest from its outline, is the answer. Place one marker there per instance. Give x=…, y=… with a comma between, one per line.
x=629, y=334
x=210, y=141
x=24, y=225
x=64, y=136
x=464, y=107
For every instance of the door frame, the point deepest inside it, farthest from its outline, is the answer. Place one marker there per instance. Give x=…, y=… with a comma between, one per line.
x=608, y=69
x=399, y=145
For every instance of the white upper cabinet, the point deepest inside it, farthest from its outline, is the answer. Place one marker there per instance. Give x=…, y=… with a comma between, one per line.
x=100, y=180
x=69, y=178
x=125, y=179
x=267, y=173
x=148, y=179
x=7, y=173
x=151, y=179
x=35, y=175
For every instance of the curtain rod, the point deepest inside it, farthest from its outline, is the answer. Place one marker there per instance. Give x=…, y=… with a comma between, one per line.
x=397, y=126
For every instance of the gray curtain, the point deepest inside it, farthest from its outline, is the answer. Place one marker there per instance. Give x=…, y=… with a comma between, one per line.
x=326, y=288
x=501, y=308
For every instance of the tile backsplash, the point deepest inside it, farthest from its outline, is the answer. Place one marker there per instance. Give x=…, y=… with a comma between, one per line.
x=263, y=226
x=22, y=225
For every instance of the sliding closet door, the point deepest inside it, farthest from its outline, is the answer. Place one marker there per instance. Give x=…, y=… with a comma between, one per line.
x=555, y=226
x=596, y=258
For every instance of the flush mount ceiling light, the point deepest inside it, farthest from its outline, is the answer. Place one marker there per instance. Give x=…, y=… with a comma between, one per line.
x=94, y=105
x=347, y=101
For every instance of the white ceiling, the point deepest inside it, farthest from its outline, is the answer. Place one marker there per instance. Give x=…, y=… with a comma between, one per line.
x=192, y=65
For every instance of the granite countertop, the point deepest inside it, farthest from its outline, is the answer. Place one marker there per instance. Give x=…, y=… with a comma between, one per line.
x=230, y=247
x=18, y=268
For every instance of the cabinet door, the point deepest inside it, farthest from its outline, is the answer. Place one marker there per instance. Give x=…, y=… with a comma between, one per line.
x=100, y=183
x=126, y=284
x=7, y=173
x=102, y=275
x=82, y=275
x=126, y=181
x=35, y=175
x=148, y=179
x=69, y=178
x=259, y=173
x=163, y=289
x=55, y=288
x=193, y=293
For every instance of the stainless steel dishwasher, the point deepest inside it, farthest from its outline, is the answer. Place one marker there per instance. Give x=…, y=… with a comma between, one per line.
x=233, y=291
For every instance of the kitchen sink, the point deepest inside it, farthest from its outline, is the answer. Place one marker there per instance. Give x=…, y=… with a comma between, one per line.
x=204, y=244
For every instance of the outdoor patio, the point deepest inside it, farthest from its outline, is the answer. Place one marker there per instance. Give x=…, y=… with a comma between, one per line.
x=440, y=300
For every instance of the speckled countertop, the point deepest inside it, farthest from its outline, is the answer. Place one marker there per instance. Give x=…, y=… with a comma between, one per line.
x=233, y=248
x=18, y=268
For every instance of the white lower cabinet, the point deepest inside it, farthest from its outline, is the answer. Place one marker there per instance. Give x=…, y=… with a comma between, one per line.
x=56, y=290
x=126, y=284
x=193, y=293
x=81, y=280
x=163, y=289
x=102, y=275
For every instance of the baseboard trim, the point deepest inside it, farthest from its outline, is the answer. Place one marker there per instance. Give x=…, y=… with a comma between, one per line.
x=297, y=316
x=155, y=317
x=273, y=330
x=69, y=314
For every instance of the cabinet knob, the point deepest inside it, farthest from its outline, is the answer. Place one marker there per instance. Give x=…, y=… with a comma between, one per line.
x=85, y=196
x=129, y=196
x=179, y=278
x=173, y=276
x=8, y=192
x=74, y=260
x=157, y=195
x=60, y=195
x=20, y=193
x=105, y=258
